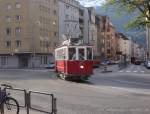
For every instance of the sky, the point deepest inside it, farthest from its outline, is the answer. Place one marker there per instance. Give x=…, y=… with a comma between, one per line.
x=88, y=3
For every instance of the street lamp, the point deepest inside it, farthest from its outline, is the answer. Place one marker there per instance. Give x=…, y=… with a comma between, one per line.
x=36, y=23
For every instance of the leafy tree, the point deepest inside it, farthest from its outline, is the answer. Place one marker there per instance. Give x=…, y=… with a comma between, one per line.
x=130, y=6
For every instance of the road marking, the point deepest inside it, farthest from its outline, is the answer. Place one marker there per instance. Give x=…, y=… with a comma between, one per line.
x=135, y=71
x=137, y=83
x=121, y=71
x=142, y=71
x=128, y=71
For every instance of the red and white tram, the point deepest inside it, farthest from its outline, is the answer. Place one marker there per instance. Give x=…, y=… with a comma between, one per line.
x=74, y=62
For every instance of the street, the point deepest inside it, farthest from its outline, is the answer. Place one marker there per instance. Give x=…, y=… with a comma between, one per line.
x=125, y=91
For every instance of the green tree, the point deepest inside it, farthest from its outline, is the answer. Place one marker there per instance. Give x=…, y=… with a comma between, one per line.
x=130, y=6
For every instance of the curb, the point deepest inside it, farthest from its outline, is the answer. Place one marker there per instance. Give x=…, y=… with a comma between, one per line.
x=36, y=70
x=108, y=71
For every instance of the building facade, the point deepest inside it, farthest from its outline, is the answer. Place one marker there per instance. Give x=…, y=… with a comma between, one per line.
x=68, y=20
x=29, y=32
x=92, y=39
x=125, y=46
x=109, y=39
x=148, y=43
x=84, y=24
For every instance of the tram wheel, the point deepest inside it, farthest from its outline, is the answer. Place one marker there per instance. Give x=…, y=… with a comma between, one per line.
x=64, y=77
x=57, y=75
x=85, y=78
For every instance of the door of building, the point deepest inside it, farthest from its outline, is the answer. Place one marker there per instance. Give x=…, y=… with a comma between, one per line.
x=23, y=61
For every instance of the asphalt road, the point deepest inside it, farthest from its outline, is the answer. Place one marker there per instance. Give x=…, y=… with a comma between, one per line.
x=125, y=91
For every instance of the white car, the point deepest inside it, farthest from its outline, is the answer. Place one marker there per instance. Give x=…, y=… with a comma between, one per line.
x=148, y=64
x=50, y=66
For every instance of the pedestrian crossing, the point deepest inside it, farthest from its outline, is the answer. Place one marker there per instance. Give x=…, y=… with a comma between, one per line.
x=129, y=71
x=133, y=69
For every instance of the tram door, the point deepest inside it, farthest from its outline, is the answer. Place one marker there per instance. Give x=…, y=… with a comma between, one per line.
x=81, y=54
x=82, y=62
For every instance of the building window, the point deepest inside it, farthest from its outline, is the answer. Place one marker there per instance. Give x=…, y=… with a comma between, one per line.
x=8, y=44
x=55, y=12
x=45, y=59
x=17, y=30
x=18, y=17
x=55, y=34
x=9, y=6
x=18, y=43
x=54, y=23
x=67, y=6
x=8, y=31
x=8, y=18
x=18, y=5
x=54, y=2
x=4, y=60
x=67, y=16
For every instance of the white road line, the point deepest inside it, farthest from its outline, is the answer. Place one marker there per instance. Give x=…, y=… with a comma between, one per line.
x=121, y=71
x=137, y=83
x=142, y=71
x=128, y=71
x=135, y=71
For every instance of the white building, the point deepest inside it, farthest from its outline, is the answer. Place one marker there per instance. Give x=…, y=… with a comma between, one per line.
x=92, y=28
x=84, y=23
x=138, y=51
x=68, y=19
x=125, y=47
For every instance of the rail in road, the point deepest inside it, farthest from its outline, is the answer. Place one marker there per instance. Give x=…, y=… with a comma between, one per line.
x=33, y=102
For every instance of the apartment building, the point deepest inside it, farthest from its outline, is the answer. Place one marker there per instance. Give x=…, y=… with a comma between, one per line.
x=92, y=28
x=68, y=20
x=98, y=42
x=148, y=43
x=29, y=32
x=125, y=46
x=109, y=39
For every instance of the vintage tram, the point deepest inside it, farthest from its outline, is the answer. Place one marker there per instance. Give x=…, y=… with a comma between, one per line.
x=74, y=62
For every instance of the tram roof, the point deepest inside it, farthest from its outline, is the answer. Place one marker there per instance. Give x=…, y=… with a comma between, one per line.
x=73, y=45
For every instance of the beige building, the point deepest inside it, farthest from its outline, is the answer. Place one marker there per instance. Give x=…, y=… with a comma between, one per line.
x=108, y=39
x=125, y=46
x=28, y=32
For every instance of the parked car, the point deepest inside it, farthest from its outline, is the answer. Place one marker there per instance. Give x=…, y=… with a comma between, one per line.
x=50, y=66
x=105, y=62
x=111, y=62
x=147, y=64
x=137, y=62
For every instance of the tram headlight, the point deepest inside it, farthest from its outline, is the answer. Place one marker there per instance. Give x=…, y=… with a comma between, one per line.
x=82, y=67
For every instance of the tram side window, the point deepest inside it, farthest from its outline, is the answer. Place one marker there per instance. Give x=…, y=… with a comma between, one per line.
x=89, y=53
x=81, y=54
x=61, y=54
x=72, y=53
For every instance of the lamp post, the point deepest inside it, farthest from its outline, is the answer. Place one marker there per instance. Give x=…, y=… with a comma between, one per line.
x=33, y=41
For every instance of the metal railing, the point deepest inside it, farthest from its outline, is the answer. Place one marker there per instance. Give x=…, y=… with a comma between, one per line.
x=28, y=104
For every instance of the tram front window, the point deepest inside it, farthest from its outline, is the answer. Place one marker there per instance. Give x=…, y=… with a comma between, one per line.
x=81, y=54
x=72, y=53
x=89, y=53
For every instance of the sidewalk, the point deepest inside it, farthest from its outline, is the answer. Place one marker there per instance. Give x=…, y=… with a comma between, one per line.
x=23, y=111
x=30, y=70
